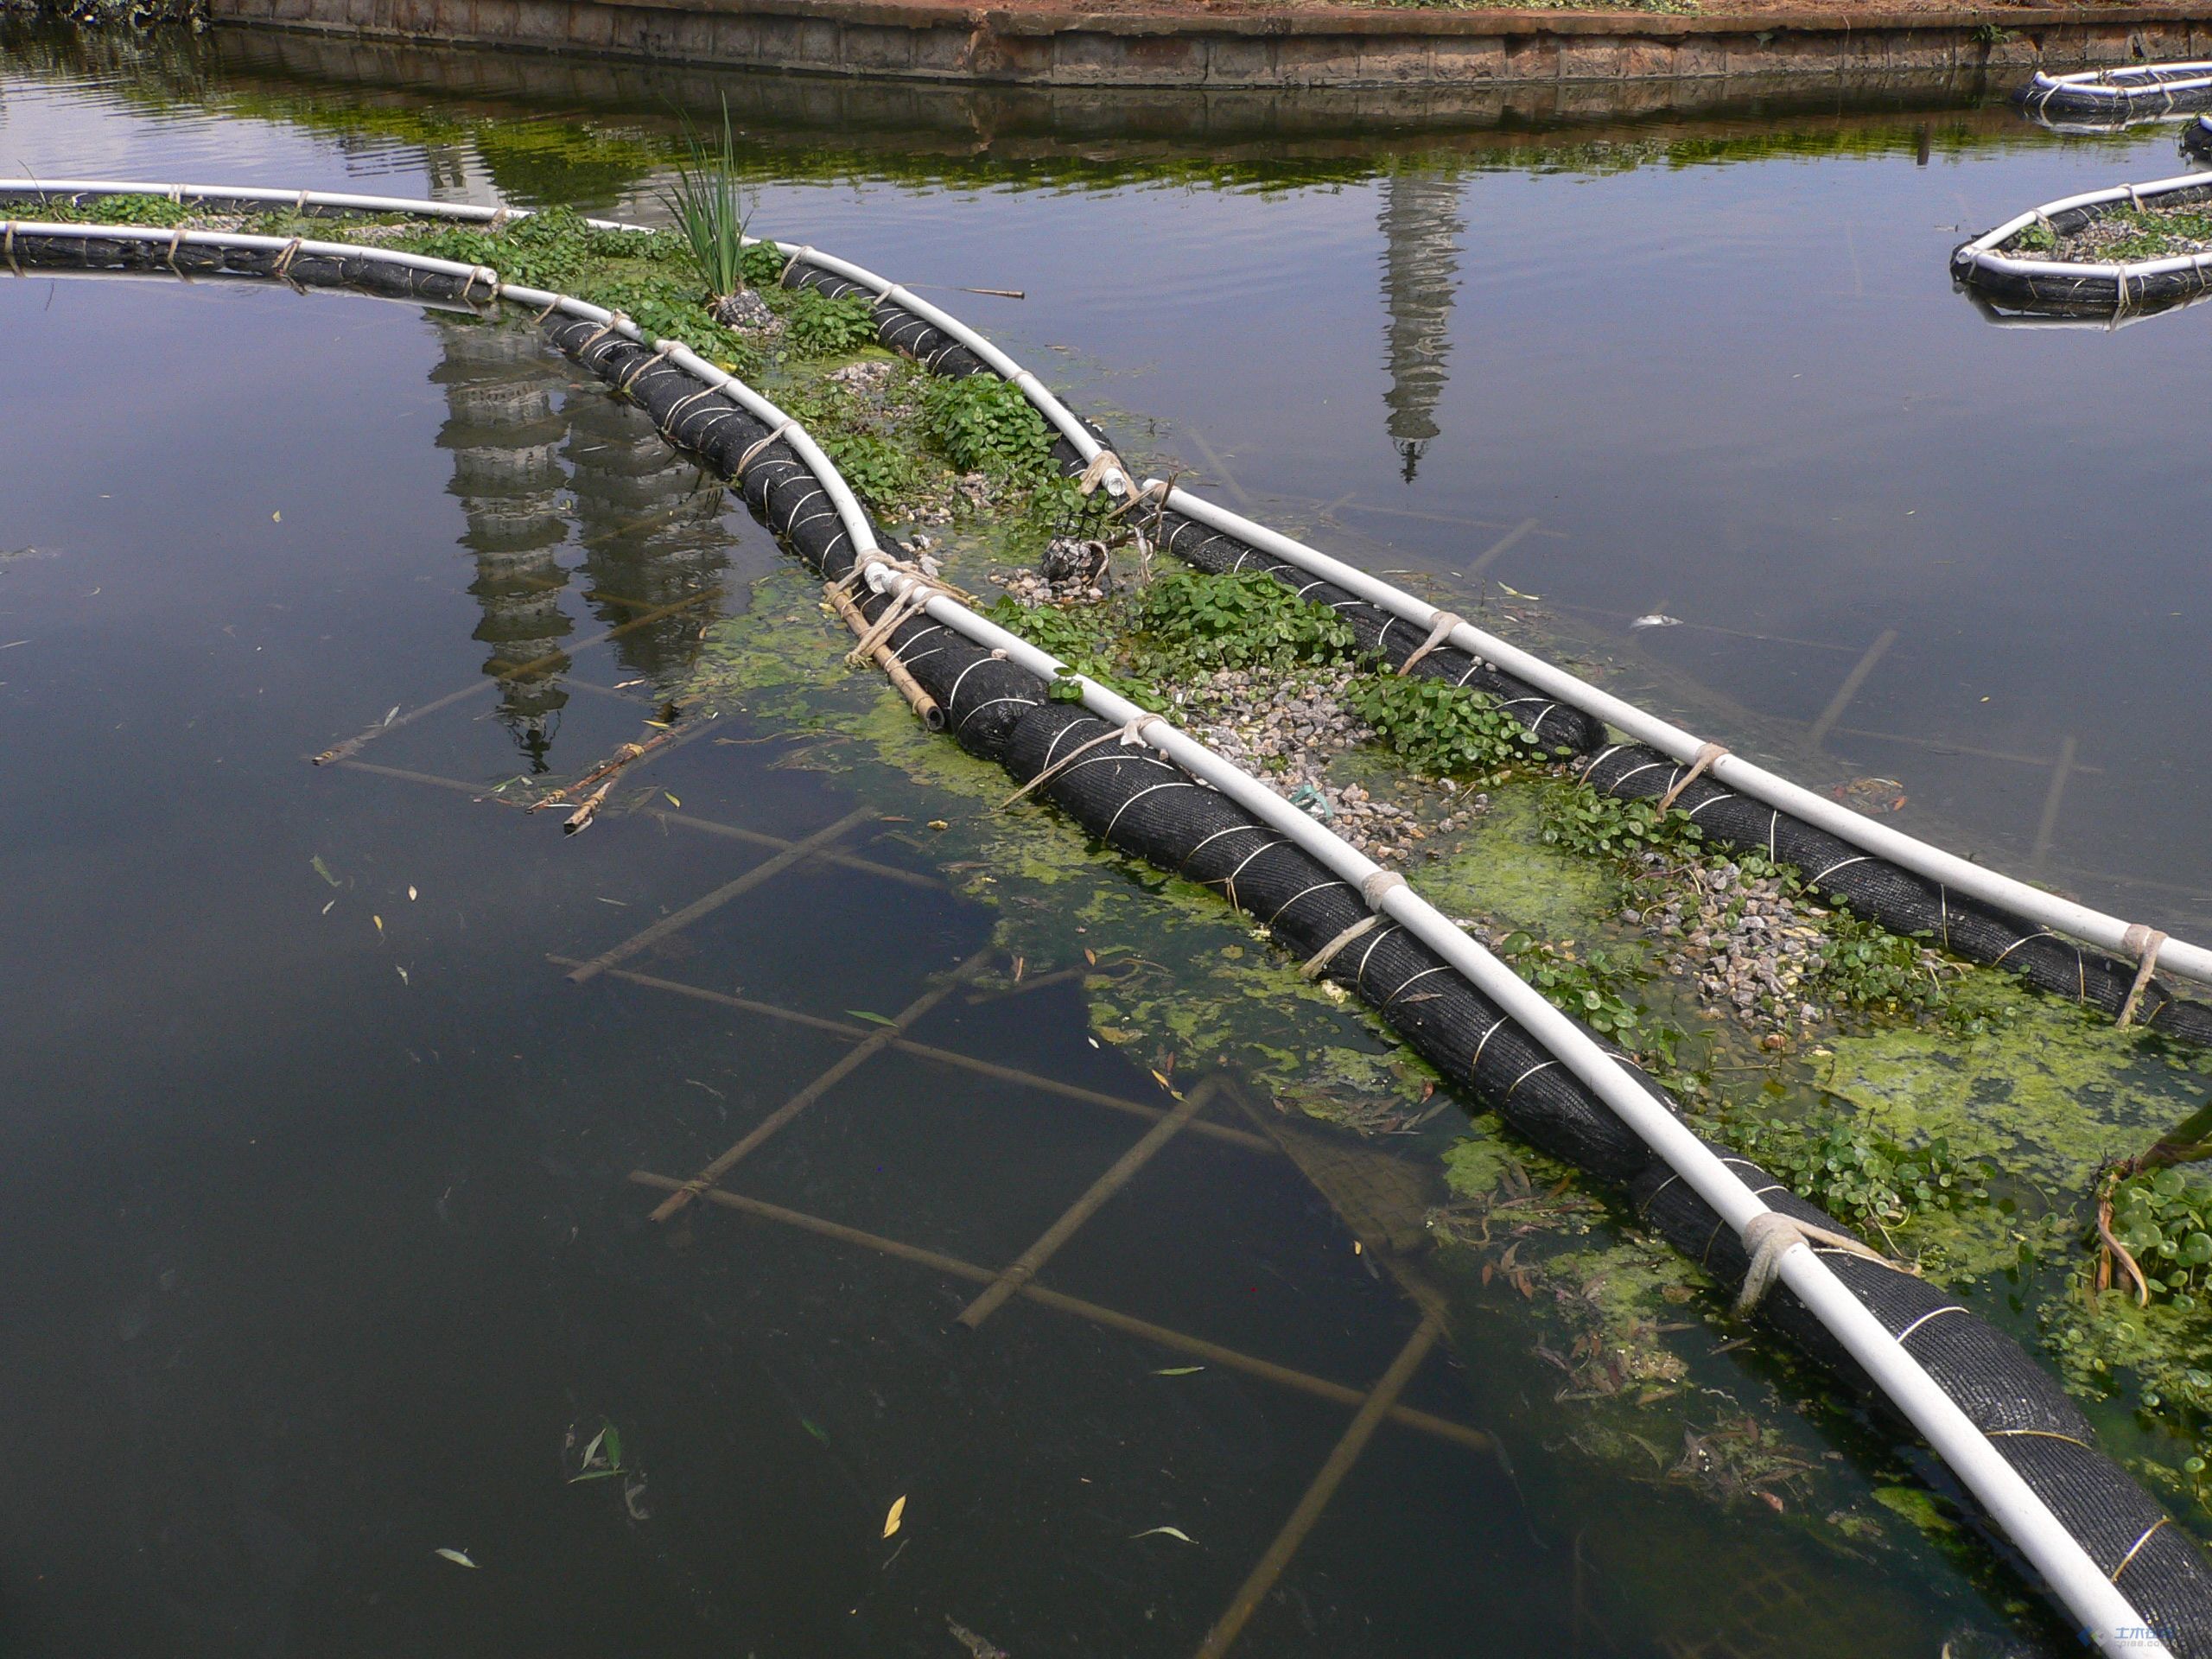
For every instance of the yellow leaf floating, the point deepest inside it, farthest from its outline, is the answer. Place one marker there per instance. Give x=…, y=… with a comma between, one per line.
x=1172, y=1532
x=458, y=1557
x=897, y=1514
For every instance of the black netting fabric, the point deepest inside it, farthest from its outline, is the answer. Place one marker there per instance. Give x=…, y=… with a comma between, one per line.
x=1145, y=806
x=1553, y=726
x=1899, y=899
x=2196, y=139
x=363, y=271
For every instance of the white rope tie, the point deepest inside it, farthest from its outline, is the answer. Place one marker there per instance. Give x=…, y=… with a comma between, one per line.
x=902, y=609
x=1707, y=755
x=2144, y=944
x=1131, y=734
x=614, y=320
x=745, y=459
x=176, y=241
x=1103, y=465
x=1769, y=1235
x=284, y=258
x=1373, y=890
x=1439, y=630
x=660, y=353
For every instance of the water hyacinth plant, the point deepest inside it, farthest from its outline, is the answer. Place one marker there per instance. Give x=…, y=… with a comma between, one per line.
x=709, y=204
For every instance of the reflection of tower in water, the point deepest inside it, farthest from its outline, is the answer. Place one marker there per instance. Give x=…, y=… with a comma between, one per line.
x=505, y=431
x=1421, y=227
x=651, y=530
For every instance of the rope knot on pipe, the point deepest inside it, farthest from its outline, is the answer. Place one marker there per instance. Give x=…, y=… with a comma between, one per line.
x=1771, y=1235
x=1376, y=888
x=1707, y=755
x=1439, y=630
x=2143, y=942
x=923, y=584
x=1103, y=468
x=1379, y=886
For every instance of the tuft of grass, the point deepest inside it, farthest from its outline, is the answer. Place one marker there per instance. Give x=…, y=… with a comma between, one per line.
x=709, y=204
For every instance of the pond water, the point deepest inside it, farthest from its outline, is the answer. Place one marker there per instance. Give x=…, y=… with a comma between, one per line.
x=325, y=1255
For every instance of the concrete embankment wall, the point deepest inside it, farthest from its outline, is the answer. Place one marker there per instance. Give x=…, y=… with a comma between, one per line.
x=1331, y=47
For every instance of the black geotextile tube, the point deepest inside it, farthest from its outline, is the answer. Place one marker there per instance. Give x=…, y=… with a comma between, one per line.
x=2055, y=291
x=1145, y=806
x=1897, y=898
x=1554, y=727
x=2145, y=97
x=363, y=271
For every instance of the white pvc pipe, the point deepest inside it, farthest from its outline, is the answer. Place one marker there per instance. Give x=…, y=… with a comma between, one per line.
x=2113, y=1622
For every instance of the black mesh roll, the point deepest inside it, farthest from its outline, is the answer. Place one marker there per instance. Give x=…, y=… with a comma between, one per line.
x=1897, y=898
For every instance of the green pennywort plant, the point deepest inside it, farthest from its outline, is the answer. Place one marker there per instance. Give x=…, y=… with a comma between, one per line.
x=1442, y=729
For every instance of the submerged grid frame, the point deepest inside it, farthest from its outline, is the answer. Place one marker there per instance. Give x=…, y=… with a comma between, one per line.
x=1372, y=1406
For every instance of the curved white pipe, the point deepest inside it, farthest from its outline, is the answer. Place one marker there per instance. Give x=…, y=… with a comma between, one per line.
x=2097, y=927
x=2110, y=1617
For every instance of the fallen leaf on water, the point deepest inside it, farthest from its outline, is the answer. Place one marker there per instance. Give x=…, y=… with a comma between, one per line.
x=379, y=920
x=326, y=904
x=1656, y=619
x=278, y=519
x=671, y=799
x=411, y=894
x=323, y=870
x=815, y=1429
x=458, y=1557
x=1091, y=956
x=898, y=1513
x=873, y=1019
x=1517, y=593
x=1179, y=1371
x=392, y=715
x=939, y=824
x=1173, y=1532
x=402, y=972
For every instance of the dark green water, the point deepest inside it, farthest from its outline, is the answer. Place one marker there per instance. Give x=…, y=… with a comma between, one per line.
x=316, y=1208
